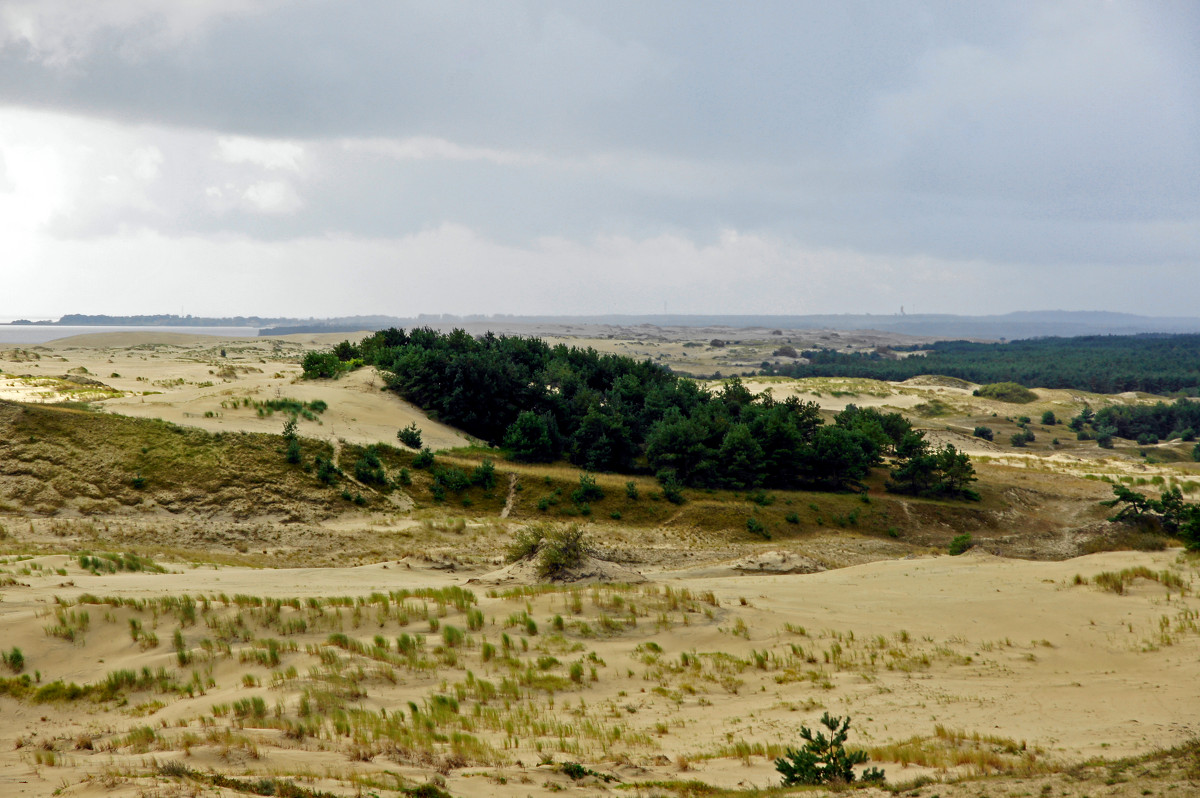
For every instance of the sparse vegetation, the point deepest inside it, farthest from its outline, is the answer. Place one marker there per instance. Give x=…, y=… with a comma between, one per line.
x=543, y=682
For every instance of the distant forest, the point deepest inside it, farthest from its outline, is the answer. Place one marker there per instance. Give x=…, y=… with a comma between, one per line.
x=1151, y=363
x=613, y=413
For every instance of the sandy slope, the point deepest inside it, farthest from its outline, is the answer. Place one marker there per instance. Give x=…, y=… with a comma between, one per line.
x=1010, y=649
x=184, y=379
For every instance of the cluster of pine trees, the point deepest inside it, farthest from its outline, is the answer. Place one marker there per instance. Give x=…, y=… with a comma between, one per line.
x=1151, y=423
x=613, y=413
x=1099, y=363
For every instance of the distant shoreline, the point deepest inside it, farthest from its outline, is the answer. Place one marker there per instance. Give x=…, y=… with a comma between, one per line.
x=1001, y=327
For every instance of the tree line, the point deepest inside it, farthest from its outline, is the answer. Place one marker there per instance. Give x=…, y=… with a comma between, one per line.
x=1150, y=363
x=612, y=413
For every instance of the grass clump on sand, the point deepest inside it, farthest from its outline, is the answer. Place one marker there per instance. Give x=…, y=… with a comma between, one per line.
x=554, y=549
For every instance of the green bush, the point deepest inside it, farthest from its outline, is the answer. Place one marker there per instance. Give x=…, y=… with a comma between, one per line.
x=322, y=365
x=14, y=659
x=961, y=543
x=410, y=436
x=825, y=760
x=554, y=549
x=452, y=478
x=368, y=468
x=1011, y=392
x=755, y=527
x=1049, y=419
x=424, y=459
x=985, y=433
x=484, y=474
x=672, y=490
x=327, y=472
x=588, y=490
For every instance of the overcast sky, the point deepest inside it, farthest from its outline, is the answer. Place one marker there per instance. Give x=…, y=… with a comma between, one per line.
x=336, y=157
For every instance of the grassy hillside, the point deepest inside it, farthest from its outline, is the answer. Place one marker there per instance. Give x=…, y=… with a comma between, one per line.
x=63, y=461
x=56, y=459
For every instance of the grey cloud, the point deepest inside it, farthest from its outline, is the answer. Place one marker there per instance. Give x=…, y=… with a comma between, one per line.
x=1028, y=138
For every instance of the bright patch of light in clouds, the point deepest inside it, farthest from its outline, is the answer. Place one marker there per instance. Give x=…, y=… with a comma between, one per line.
x=425, y=148
x=285, y=155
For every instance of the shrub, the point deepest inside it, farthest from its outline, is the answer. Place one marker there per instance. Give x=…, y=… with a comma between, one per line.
x=424, y=459
x=322, y=365
x=672, y=490
x=451, y=478
x=327, y=472
x=1011, y=392
x=985, y=433
x=631, y=490
x=368, y=468
x=14, y=659
x=484, y=474
x=961, y=543
x=1147, y=439
x=1049, y=419
x=1017, y=439
x=588, y=490
x=787, y=350
x=1196, y=452
x=410, y=436
x=824, y=760
x=555, y=549
x=755, y=527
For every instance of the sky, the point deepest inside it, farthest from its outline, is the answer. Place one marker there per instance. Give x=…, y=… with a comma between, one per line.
x=338, y=157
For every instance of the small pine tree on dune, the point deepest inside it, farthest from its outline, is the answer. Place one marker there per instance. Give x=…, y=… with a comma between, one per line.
x=825, y=760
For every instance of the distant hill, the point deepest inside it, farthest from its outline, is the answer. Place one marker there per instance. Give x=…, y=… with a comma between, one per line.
x=1009, y=326
x=1024, y=324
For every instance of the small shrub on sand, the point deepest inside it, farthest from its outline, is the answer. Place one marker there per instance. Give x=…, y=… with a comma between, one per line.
x=961, y=543
x=555, y=549
x=824, y=760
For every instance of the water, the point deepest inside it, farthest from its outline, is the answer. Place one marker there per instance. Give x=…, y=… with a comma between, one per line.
x=40, y=334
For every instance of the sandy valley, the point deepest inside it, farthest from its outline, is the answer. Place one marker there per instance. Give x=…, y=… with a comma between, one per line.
x=169, y=648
